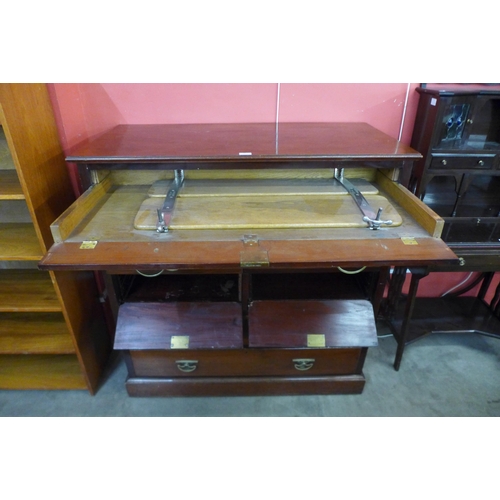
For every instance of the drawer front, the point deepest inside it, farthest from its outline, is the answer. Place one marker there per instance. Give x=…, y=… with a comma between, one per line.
x=462, y=162
x=246, y=362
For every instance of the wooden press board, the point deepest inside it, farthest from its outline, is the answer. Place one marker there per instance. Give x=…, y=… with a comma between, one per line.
x=226, y=204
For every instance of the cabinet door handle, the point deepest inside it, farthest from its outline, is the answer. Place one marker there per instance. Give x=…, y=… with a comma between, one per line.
x=186, y=365
x=444, y=162
x=303, y=364
x=480, y=163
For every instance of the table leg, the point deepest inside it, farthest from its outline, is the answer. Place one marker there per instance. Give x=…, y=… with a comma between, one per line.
x=416, y=275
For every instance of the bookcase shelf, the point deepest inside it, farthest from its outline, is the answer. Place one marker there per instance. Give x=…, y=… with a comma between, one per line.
x=34, y=334
x=41, y=372
x=27, y=291
x=10, y=188
x=53, y=333
x=18, y=241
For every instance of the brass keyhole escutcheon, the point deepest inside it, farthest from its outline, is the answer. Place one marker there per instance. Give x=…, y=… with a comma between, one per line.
x=187, y=365
x=303, y=364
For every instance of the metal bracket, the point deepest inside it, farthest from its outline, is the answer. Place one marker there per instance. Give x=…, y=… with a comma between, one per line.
x=376, y=223
x=165, y=212
x=369, y=215
x=253, y=255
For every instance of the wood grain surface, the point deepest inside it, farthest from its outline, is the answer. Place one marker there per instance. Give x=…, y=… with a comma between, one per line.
x=287, y=323
x=260, y=187
x=245, y=362
x=264, y=212
x=227, y=141
x=151, y=325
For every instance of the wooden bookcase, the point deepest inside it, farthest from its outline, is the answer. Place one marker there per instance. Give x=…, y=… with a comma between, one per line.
x=53, y=332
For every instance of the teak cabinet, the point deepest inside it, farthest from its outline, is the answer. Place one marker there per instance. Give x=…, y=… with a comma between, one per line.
x=268, y=278
x=52, y=329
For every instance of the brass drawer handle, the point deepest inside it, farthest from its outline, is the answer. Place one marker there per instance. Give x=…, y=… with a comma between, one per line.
x=303, y=364
x=186, y=365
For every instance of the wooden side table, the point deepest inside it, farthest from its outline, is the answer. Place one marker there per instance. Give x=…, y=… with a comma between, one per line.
x=416, y=317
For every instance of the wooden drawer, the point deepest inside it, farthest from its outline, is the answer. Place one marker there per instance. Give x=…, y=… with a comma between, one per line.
x=246, y=362
x=278, y=338
x=450, y=162
x=116, y=247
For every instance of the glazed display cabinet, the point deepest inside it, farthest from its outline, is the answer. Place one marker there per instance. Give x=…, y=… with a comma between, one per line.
x=457, y=130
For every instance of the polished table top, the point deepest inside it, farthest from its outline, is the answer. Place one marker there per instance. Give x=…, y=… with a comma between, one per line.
x=243, y=142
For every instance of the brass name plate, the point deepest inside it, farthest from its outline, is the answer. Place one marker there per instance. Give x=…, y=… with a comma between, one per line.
x=179, y=342
x=316, y=340
x=254, y=258
x=253, y=255
x=88, y=245
x=407, y=240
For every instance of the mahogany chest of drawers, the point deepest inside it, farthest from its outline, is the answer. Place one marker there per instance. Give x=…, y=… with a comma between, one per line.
x=277, y=290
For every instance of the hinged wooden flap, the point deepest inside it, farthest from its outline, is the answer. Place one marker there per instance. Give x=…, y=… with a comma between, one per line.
x=151, y=325
x=302, y=323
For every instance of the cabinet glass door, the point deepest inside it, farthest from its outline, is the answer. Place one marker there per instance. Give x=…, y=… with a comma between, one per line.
x=464, y=196
x=485, y=126
x=455, y=118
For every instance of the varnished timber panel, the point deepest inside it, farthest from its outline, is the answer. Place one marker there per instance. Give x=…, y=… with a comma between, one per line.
x=84, y=315
x=18, y=241
x=27, y=291
x=288, y=323
x=10, y=188
x=225, y=255
x=247, y=362
x=223, y=142
x=263, y=212
x=34, y=333
x=37, y=159
x=292, y=185
x=40, y=372
x=245, y=386
x=152, y=325
x=33, y=140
